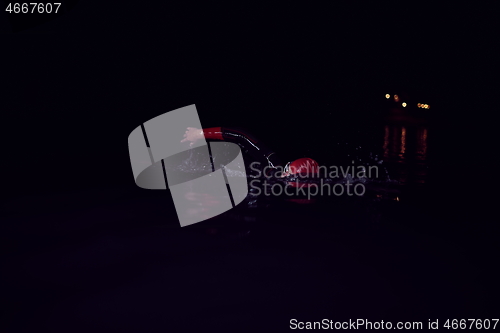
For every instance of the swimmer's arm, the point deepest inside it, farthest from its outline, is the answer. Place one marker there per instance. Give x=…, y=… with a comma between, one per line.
x=254, y=147
x=214, y=133
x=193, y=134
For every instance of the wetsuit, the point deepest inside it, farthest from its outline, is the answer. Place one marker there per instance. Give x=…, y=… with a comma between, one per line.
x=249, y=144
x=271, y=166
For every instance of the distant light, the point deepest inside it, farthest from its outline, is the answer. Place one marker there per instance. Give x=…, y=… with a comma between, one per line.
x=419, y=105
x=396, y=98
x=387, y=96
x=428, y=106
x=404, y=104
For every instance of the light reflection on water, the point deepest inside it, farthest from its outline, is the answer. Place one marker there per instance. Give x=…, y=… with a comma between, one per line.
x=405, y=152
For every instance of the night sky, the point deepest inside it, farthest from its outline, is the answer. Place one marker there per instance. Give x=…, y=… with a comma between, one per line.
x=301, y=77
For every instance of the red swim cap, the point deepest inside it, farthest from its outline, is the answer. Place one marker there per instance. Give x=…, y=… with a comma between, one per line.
x=304, y=166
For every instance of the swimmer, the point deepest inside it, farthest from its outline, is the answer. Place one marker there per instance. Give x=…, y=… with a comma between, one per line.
x=252, y=146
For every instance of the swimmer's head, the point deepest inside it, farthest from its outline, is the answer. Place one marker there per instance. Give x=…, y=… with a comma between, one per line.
x=303, y=166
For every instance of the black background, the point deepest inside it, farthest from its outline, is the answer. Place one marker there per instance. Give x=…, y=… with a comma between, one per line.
x=76, y=85
x=300, y=76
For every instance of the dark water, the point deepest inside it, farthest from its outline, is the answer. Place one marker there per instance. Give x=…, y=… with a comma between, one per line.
x=405, y=150
x=115, y=259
